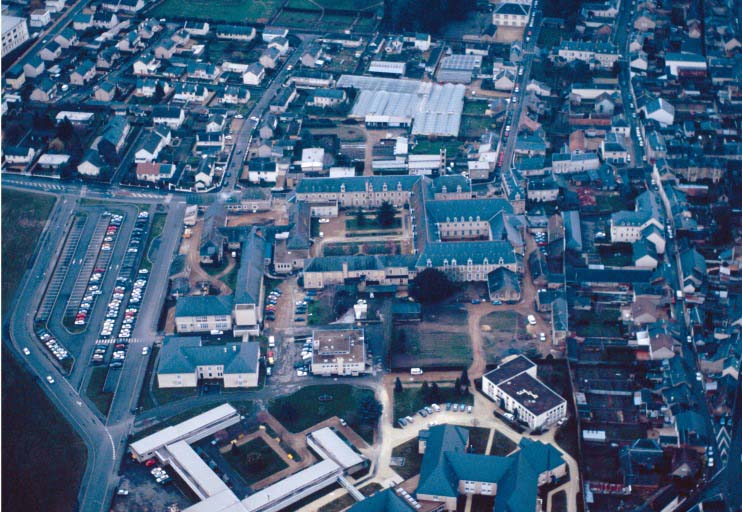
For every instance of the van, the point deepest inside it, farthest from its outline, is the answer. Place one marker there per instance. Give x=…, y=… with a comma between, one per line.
x=531, y=320
x=271, y=341
x=416, y=371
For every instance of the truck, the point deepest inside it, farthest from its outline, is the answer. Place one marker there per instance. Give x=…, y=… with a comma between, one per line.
x=416, y=371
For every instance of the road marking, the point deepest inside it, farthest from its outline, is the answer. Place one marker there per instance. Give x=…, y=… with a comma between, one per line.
x=113, y=445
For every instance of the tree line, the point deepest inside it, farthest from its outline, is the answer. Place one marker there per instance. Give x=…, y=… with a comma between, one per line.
x=425, y=15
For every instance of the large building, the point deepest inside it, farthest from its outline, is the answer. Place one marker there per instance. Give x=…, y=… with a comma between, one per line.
x=184, y=361
x=595, y=53
x=203, y=314
x=338, y=352
x=15, y=33
x=515, y=386
x=645, y=222
x=448, y=471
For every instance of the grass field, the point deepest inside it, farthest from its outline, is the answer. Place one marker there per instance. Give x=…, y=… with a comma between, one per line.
x=498, y=331
x=412, y=459
x=474, y=126
x=501, y=444
x=255, y=460
x=428, y=146
x=221, y=10
x=591, y=323
x=478, y=437
x=476, y=108
x=312, y=404
x=370, y=224
x=341, y=5
x=298, y=19
x=95, y=392
x=155, y=230
x=24, y=216
x=411, y=399
x=441, y=339
x=43, y=459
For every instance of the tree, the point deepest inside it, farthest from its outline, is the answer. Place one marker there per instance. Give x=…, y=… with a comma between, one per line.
x=431, y=285
x=360, y=218
x=435, y=393
x=457, y=386
x=465, y=378
x=255, y=462
x=398, y=385
x=159, y=92
x=369, y=410
x=425, y=391
x=65, y=130
x=386, y=214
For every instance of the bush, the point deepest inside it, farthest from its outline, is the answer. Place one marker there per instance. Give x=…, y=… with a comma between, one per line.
x=431, y=285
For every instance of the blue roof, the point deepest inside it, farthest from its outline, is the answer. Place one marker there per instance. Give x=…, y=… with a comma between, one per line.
x=181, y=354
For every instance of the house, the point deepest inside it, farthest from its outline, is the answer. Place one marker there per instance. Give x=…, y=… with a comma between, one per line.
x=44, y=91
x=235, y=32
x=15, y=77
x=645, y=21
x=216, y=123
x=190, y=92
x=543, y=190
x=202, y=70
x=234, y=95
x=170, y=116
x=573, y=162
x=154, y=172
x=84, y=73
x=211, y=249
x=339, y=352
x=52, y=51
x=111, y=141
x=387, y=67
x=251, y=199
x=197, y=28
x=271, y=33
x=130, y=42
x=503, y=285
x=203, y=314
x=55, y=6
x=34, y=66
x=147, y=87
x=342, y=39
x=269, y=58
x=185, y=361
x=249, y=291
x=145, y=64
x=504, y=80
x=66, y=38
x=181, y=37
x=52, y=162
x=311, y=79
x=91, y=164
x=40, y=18
x=254, y=74
x=644, y=254
x=106, y=20
x=83, y=21
x=693, y=266
x=677, y=63
x=148, y=28
x=421, y=41
x=515, y=386
x=510, y=14
x=15, y=33
x=325, y=98
x=152, y=144
x=106, y=91
x=209, y=142
x=17, y=155
x=281, y=44
x=107, y=57
x=613, y=150
x=449, y=470
x=312, y=159
x=262, y=170
x=632, y=226
x=165, y=49
x=659, y=110
x=130, y=6
x=311, y=57
x=594, y=53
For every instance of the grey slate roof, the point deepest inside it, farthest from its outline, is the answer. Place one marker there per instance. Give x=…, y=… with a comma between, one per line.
x=252, y=266
x=203, y=305
x=183, y=354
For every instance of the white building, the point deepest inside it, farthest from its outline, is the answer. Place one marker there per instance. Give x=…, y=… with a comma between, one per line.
x=338, y=352
x=514, y=385
x=510, y=14
x=15, y=33
x=203, y=314
x=40, y=18
x=312, y=159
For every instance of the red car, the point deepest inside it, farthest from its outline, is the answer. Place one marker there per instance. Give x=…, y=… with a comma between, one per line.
x=150, y=463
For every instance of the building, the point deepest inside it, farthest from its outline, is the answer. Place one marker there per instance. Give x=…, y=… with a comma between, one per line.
x=514, y=384
x=646, y=221
x=40, y=18
x=510, y=14
x=154, y=172
x=203, y=314
x=386, y=67
x=170, y=116
x=449, y=470
x=312, y=159
x=184, y=361
x=459, y=68
x=84, y=73
x=254, y=74
x=236, y=32
x=249, y=293
x=660, y=111
x=594, y=53
x=15, y=33
x=325, y=98
x=338, y=352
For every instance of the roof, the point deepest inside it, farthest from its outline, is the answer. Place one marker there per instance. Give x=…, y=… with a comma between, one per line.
x=199, y=472
x=530, y=393
x=336, y=448
x=182, y=430
x=11, y=22
x=436, y=476
x=203, y=305
x=250, y=273
x=184, y=354
x=383, y=501
x=509, y=369
x=511, y=8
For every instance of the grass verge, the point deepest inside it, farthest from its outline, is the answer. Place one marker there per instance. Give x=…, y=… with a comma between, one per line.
x=94, y=390
x=255, y=460
x=412, y=459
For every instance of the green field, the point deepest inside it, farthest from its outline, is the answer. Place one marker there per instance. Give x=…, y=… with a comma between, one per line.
x=222, y=10
x=412, y=459
x=312, y=404
x=499, y=330
x=501, y=445
x=340, y=5
x=298, y=19
x=255, y=460
x=155, y=230
x=95, y=392
x=24, y=216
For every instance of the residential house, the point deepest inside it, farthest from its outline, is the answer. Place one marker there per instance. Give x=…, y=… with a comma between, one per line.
x=234, y=95
x=130, y=42
x=111, y=141
x=91, y=164
x=15, y=77
x=254, y=74
x=209, y=142
x=325, y=98
x=165, y=49
x=659, y=110
x=105, y=20
x=147, y=87
x=153, y=143
x=17, y=155
x=594, y=53
x=271, y=33
x=503, y=285
x=645, y=21
x=40, y=18
x=44, y=91
x=573, y=162
x=310, y=57
x=236, y=32
x=632, y=226
x=510, y=14
x=202, y=70
x=311, y=79
x=83, y=74
x=145, y=64
x=185, y=361
x=190, y=92
x=83, y=21
x=211, y=248
x=504, y=80
x=34, y=66
x=52, y=51
x=203, y=314
x=155, y=172
x=262, y=170
x=339, y=352
x=170, y=116
x=55, y=6
x=107, y=57
x=106, y=91
x=249, y=292
x=197, y=28
x=281, y=44
x=269, y=58
x=66, y=38
x=216, y=123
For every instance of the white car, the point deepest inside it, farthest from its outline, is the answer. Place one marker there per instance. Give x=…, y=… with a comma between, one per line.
x=50, y=379
x=145, y=351
x=26, y=351
x=324, y=221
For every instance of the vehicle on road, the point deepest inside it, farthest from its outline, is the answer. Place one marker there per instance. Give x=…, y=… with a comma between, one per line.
x=50, y=379
x=26, y=351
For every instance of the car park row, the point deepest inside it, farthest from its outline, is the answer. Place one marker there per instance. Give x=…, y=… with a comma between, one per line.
x=431, y=409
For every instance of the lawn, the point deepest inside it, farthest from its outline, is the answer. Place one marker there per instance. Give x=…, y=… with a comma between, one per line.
x=559, y=502
x=352, y=248
x=476, y=108
x=43, y=459
x=145, y=399
x=501, y=444
x=602, y=324
x=478, y=437
x=412, y=459
x=230, y=278
x=24, y=216
x=474, y=126
x=255, y=460
x=411, y=399
x=167, y=395
x=298, y=19
x=94, y=391
x=440, y=340
x=549, y=36
x=312, y=404
x=155, y=230
x=499, y=330
x=428, y=146
x=221, y=10
x=370, y=224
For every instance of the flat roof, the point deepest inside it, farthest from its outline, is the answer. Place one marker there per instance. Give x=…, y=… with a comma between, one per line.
x=531, y=393
x=204, y=478
x=509, y=369
x=175, y=433
x=225, y=501
x=291, y=485
x=336, y=448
